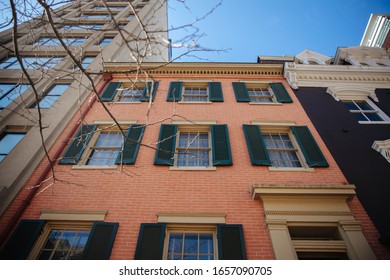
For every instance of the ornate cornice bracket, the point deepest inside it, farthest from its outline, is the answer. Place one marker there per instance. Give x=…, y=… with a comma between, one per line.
x=351, y=93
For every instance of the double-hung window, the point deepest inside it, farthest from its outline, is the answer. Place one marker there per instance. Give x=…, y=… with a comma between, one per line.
x=191, y=244
x=9, y=92
x=365, y=111
x=261, y=92
x=283, y=147
x=195, y=147
x=260, y=95
x=104, y=145
x=61, y=240
x=132, y=91
x=195, y=92
x=51, y=96
x=190, y=241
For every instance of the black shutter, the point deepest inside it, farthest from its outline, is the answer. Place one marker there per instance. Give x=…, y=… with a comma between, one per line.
x=110, y=91
x=22, y=240
x=280, y=92
x=174, y=92
x=221, y=145
x=256, y=147
x=73, y=153
x=100, y=241
x=241, y=92
x=215, y=92
x=148, y=90
x=131, y=146
x=166, y=145
x=150, y=243
x=231, y=244
x=309, y=147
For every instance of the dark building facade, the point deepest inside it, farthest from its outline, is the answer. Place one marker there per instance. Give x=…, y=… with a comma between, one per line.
x=348, y=100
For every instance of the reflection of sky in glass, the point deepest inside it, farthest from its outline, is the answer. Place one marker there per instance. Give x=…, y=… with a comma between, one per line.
x=107, y=148
x=8, y=142
x=64, y=244
x=9, y=92
x=51, y=97
x=193, y=149
x=191, y=246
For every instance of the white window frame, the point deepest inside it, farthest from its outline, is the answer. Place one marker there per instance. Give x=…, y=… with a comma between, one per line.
x=376, y=109
x=190, y=228
x=195, y=84
x=285, y=129
x=193, y=129
x=129, y=86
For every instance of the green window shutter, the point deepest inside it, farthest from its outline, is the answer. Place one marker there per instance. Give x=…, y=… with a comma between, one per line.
x=166, y=145
x=22, y=240
x=215, y=92
x=280, y=92
x=73, y=153
x=150, y=243
x=240, y=92
x=221, y=145
x=100, y=241
x=174, y=92
x=231, y=244
x=110, y=91
x=148, y=89
x=256, y=147
x=309, y=147
x=131, y=146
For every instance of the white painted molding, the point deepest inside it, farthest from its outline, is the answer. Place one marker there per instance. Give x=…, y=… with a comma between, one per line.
x=351, y=93
x=383, y=147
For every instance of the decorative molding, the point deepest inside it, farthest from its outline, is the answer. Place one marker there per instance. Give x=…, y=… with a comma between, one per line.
x=308, y=213
x=302, y=75
x=73, y=215
x=382, y=147
x=192, y=218
x=350, y=92
x=259, y=190
x=198, y=69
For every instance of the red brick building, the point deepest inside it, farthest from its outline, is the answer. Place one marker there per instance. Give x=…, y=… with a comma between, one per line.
x=212, y=161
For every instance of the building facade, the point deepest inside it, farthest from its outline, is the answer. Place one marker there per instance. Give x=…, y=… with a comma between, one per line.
x=217, y=161
x=164, y=160
x=94, y=35
x=347, y=99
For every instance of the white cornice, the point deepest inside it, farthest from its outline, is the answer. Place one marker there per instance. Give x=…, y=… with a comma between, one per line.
x=346, y=76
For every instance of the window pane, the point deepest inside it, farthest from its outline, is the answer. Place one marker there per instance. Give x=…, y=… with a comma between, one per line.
x=373, y=117
x=350, y=105
x=9, y=92
x=9, y=141
x=363, y=105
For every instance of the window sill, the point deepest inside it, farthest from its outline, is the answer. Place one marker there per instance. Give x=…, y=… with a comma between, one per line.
x=266, y=103
x=295, y=169
x=91, y=167
x=195, y=102
x=195, y=168
x=127, y=102
x=374, y=122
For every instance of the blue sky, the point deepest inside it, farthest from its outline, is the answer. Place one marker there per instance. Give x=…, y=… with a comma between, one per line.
x=249, y=28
